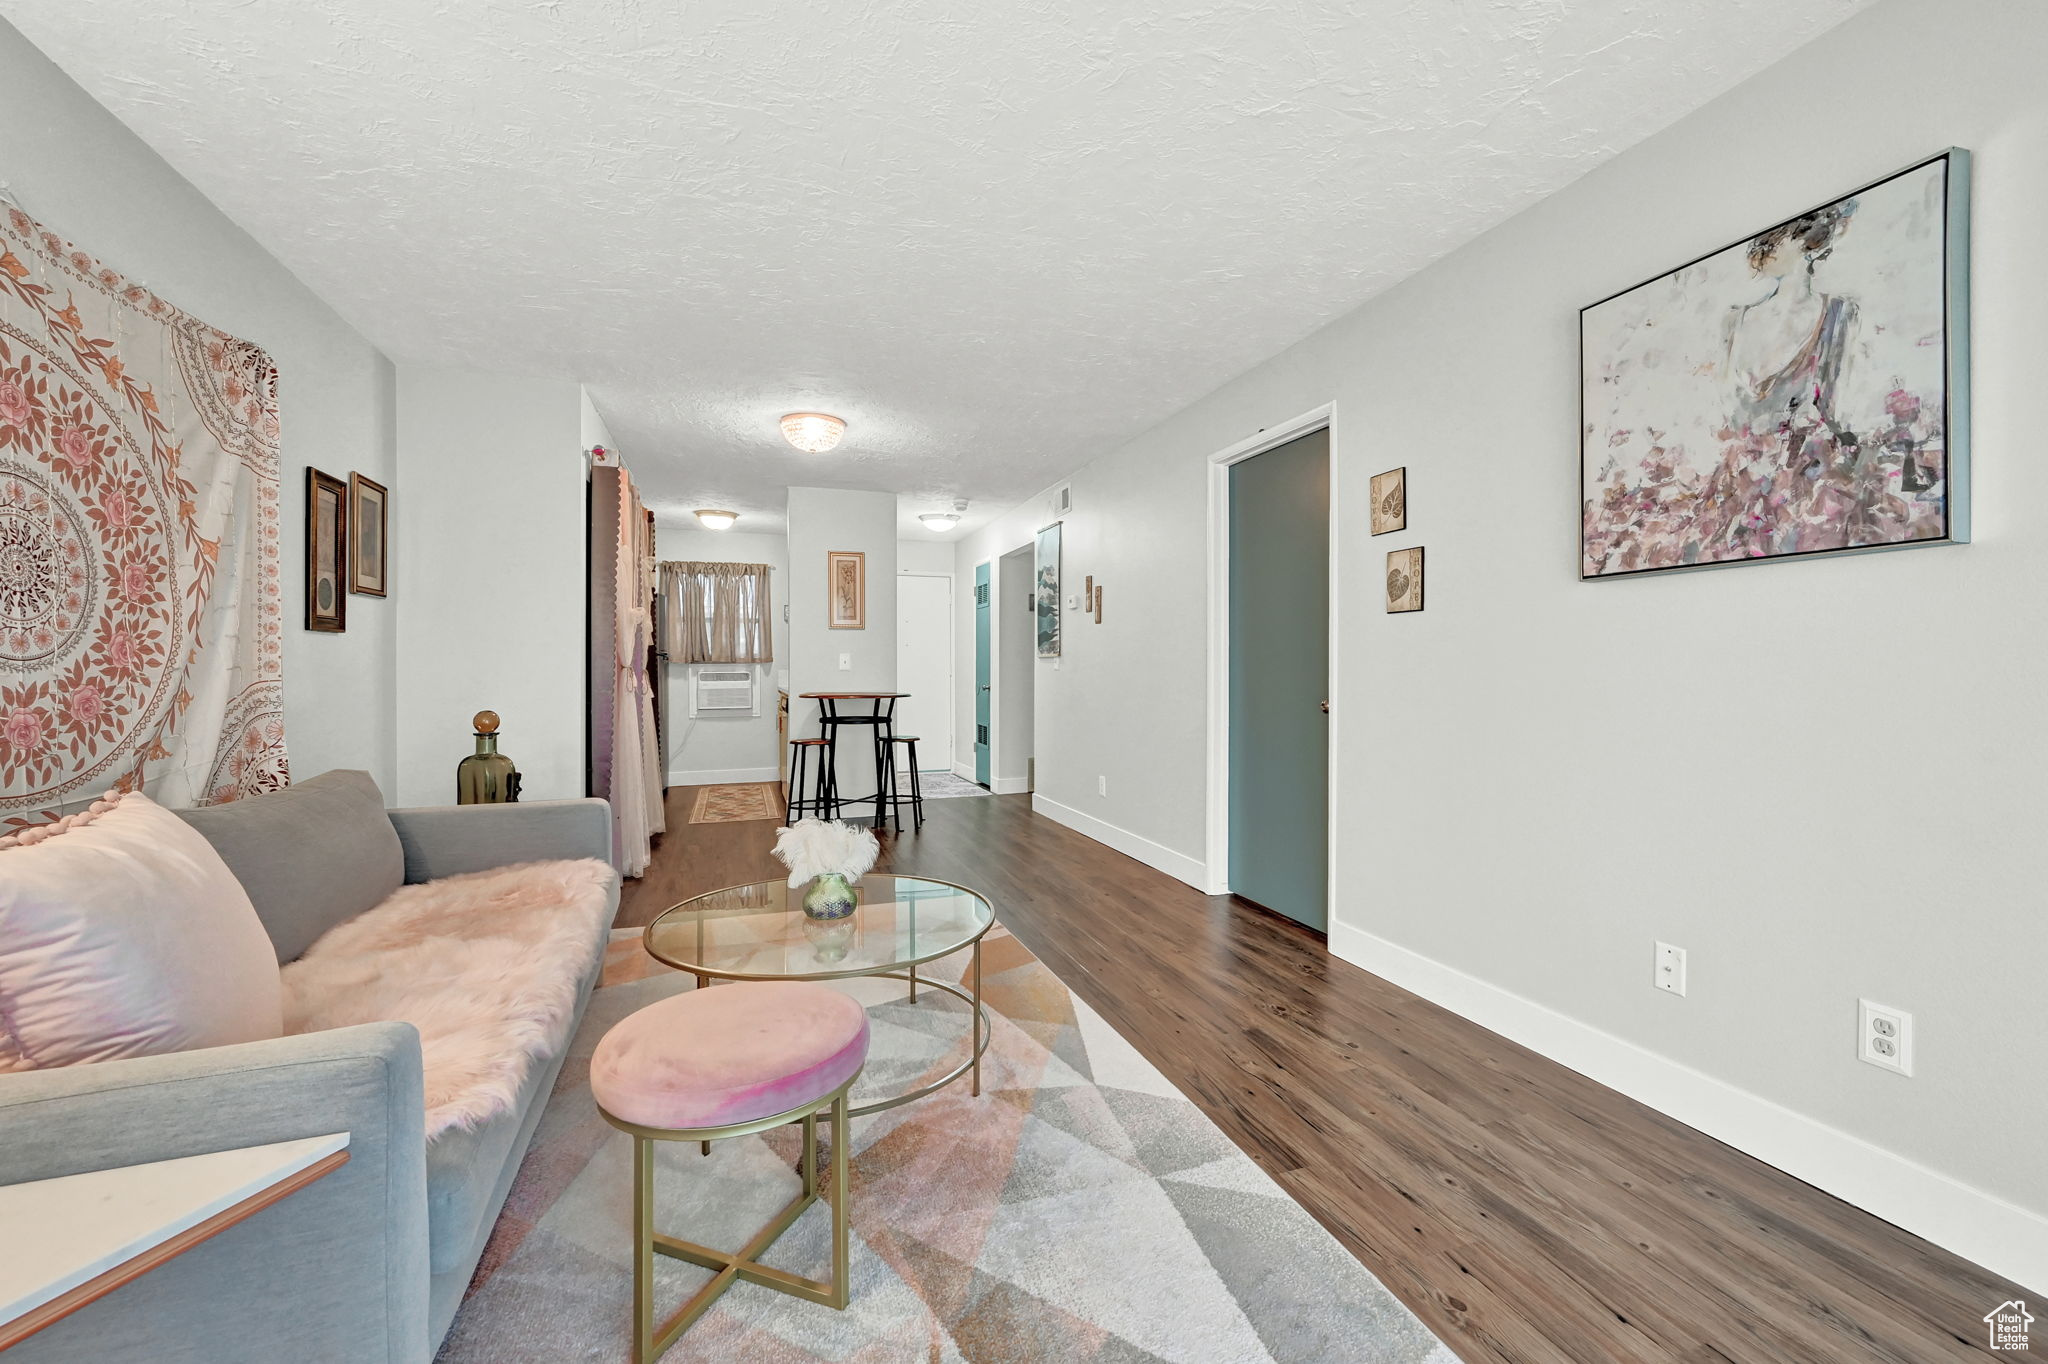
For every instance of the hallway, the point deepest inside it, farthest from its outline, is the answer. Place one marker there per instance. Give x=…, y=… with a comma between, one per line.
x=1524, y=1212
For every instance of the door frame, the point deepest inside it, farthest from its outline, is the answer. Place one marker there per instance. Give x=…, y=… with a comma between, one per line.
x=998, y=747
x=984, y=678
x=1216, y=874
x=952, y=661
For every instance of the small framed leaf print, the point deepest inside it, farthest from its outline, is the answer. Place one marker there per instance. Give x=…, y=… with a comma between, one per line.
x=1390, y=501
x=1404, y=580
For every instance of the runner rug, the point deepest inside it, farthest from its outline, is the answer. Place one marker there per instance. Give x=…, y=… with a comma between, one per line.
x=745, y=800
x=1080, y=1210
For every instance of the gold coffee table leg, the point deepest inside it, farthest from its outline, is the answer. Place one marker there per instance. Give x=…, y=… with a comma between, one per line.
x=704, y=983
x=976, y=1090
x=913, y=984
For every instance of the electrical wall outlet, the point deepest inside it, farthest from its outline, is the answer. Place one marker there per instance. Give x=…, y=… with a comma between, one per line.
x=1884, y=1036
x=1669, y=970
x=1102, y=786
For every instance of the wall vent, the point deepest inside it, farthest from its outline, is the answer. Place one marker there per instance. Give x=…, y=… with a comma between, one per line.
x=724, y=691
x=1059, y=504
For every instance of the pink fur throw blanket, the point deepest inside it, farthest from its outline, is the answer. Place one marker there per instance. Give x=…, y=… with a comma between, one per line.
x=486, y=966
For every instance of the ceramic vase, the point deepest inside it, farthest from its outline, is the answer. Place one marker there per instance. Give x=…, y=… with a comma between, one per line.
x=830, y=897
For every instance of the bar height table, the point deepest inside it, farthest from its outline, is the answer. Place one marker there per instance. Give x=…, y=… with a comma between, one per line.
x=880, y=720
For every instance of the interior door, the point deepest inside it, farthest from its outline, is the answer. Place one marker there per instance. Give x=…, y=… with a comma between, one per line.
x=1279, y=676
x=981, y=678
x=924, y=666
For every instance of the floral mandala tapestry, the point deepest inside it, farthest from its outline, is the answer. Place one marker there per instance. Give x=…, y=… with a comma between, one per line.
x=141, y=615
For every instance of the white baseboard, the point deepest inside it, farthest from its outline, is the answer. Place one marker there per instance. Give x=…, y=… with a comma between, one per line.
x=2007, y=1239
x=1179, y=866
x=965, y=772
x=719, y=776
x=1009, y=786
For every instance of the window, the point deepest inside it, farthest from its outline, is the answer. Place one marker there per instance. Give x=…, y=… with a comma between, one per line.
x=715, y=613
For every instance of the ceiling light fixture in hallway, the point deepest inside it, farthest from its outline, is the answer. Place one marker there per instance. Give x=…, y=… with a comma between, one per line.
x=813, y=432
x=716, y=520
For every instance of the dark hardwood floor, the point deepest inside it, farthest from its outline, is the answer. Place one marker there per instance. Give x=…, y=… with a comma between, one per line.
x=1521, y=1210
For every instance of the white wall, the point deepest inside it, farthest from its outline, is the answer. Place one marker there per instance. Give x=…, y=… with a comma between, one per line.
x=74, y=167
x=489, y=564
x=723, y=748
x=1820, y=778
x=821, y=520
x=924, y=556
x=591, y=426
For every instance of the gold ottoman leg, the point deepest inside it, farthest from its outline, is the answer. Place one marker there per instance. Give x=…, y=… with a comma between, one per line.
x=841, y=1275
x=643, y=1250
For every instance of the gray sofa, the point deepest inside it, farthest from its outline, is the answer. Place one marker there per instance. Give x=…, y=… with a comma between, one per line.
x=370, y=1262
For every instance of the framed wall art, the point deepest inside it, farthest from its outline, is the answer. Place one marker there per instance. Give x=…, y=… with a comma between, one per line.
x=1390, y=501
x=1404, y=580
x=846, y=589
x=369, y=538
x=1802, y=391
x=1047, y=583
x=326, y=553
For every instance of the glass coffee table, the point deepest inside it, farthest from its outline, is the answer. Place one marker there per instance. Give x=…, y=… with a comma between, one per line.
x=760, y=932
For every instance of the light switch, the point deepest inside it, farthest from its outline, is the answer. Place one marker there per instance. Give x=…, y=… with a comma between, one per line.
x=846, y=663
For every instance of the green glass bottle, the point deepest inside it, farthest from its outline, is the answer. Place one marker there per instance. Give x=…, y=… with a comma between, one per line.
x=486, y=777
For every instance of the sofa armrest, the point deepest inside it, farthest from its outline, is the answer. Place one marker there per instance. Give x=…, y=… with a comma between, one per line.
x=447, y=840
x=335, y=1271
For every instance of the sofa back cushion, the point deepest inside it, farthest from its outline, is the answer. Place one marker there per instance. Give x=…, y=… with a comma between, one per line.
x=311, y=856
x=122, y=933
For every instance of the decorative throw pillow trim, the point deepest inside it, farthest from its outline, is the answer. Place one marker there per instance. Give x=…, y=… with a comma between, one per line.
x=34, y=834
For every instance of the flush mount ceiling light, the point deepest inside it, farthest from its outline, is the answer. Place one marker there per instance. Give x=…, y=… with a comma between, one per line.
x=714, y=519
x=813, y=432
x=944, y=521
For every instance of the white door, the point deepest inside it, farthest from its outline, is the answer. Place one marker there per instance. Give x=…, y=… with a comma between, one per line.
x=924, y=666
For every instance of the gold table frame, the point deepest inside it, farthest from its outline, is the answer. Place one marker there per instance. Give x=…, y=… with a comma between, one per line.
x=977, y=1010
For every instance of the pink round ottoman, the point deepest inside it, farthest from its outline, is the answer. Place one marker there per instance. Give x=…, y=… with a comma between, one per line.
x=729, y=1062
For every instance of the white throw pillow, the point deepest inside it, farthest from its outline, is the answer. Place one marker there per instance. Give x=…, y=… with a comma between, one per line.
x=122, y=933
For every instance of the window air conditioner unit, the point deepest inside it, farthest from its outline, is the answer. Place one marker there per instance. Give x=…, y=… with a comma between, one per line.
x=724, y=691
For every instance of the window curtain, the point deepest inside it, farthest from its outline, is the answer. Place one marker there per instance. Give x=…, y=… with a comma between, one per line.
x=716, y=613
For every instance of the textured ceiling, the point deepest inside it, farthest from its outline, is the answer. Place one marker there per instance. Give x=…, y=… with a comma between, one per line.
x=999, y=238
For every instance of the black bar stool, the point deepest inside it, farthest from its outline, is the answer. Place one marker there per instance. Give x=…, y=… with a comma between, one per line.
x=915, y=800
x=822, y=797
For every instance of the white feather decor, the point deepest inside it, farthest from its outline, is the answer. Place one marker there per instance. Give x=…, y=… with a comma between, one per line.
x=811, y=848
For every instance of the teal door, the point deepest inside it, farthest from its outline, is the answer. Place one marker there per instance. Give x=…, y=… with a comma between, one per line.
x=1279, y=675
x=981, y=694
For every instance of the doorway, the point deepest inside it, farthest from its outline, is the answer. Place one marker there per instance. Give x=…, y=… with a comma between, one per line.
x=924, y=666
x=1016, y=670
x=1278, y=661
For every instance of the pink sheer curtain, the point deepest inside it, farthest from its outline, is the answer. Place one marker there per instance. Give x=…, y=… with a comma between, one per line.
x=625, y=742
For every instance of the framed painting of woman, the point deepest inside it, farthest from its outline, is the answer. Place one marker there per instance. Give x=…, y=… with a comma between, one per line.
x=1803, y=391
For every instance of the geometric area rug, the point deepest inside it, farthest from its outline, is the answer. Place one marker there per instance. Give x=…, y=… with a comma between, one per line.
x=1081, y=1210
